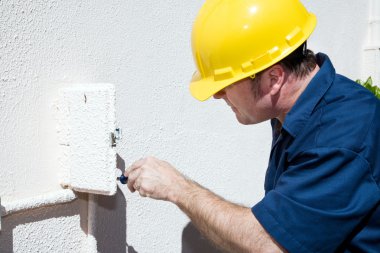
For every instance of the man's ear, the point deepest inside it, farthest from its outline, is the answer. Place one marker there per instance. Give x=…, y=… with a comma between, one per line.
x=277, y=76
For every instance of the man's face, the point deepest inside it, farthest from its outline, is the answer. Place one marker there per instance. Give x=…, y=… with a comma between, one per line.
x=247, y=99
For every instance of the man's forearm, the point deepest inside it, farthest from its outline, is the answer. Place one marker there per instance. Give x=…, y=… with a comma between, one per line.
x=229, y=226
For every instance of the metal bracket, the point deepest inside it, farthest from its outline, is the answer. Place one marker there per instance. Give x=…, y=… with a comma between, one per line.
x=116, y=136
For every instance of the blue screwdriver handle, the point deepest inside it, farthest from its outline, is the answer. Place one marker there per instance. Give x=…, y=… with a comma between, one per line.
x=123, y=179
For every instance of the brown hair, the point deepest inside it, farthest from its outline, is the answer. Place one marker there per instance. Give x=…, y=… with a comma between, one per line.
x=300, y=62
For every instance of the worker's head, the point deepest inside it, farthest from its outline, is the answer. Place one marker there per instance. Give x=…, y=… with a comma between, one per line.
x=235, y=40
x=271, y=92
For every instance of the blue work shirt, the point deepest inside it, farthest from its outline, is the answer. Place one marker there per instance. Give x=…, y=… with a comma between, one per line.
x=323, y=178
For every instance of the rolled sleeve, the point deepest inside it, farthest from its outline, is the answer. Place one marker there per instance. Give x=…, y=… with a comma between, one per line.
x=320, y=199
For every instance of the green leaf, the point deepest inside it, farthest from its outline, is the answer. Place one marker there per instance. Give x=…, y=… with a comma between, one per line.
x=368, y=84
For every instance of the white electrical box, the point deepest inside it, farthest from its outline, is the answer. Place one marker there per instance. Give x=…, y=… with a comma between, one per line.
x=86, y=130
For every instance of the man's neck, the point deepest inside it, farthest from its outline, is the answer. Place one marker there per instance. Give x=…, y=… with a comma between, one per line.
x=296, y=87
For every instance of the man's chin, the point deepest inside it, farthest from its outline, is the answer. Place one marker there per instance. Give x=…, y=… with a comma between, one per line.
x=245, y=121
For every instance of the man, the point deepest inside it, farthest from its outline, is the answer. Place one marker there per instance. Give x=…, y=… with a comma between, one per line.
x=323, y=177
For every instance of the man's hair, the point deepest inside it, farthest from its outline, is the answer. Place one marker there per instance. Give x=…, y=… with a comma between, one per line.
x=300, y=62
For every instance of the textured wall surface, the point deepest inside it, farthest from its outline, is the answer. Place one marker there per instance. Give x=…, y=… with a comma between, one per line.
x=60, y=228
x=341, y=32
x=143, y=47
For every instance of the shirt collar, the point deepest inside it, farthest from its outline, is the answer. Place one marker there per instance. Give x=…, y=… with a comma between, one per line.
x=300, y=113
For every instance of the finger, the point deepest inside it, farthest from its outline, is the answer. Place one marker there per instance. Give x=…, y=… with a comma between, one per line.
x=137, y=185
x=133, y=176
x=144, y=193
x=137, y=164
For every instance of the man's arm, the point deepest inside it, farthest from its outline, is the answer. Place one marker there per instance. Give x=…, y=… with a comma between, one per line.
x=229, y=226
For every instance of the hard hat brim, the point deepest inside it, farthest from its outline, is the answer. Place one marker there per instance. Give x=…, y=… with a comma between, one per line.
x=204, y=88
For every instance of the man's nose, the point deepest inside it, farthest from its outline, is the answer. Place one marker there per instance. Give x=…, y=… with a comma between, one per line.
x=220, y=94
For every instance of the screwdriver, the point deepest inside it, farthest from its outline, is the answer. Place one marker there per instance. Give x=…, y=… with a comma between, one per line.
x=123, y=179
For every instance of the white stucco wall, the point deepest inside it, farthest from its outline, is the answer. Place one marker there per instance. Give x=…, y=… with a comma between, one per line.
x=143, y=47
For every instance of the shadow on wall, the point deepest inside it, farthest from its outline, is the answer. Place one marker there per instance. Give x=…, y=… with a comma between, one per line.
x=131, y=250
x=111, y=228
x=194, y=242
x=18, y=225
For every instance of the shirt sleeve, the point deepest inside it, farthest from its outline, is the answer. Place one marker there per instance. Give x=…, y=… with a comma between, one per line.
x=322, y=197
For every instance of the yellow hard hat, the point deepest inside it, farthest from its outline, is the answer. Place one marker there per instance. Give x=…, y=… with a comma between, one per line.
x=234, y=39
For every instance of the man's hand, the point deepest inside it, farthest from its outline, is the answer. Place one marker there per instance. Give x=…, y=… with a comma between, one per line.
x=155, y=179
